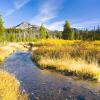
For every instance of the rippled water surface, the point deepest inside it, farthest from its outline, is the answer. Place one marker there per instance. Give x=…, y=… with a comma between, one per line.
x=47, y=85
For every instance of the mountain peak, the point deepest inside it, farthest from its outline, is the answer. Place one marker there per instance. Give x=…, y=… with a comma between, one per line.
x=24, y=25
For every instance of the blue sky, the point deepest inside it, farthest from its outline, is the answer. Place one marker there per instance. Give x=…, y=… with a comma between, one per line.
x=51, y=13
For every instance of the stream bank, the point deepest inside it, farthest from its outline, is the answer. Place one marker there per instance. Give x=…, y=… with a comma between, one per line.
x=48, y=85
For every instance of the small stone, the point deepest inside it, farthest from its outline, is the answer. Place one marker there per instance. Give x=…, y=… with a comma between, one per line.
x=59, y=91
x=69, y=97
x=64, y=88
x=32, y=93
x=37, y=98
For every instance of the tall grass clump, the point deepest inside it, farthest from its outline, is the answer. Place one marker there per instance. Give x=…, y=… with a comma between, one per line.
x=77, y=58
x=10, y=88
x=6, y=50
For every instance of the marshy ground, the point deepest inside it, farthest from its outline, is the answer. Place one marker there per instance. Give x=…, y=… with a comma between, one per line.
x=74, y=58
x=71, y=58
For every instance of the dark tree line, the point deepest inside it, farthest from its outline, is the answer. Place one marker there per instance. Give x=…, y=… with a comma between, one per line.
x=2, y=30
x=13, y=34
x=18, y=35
x=69, y=34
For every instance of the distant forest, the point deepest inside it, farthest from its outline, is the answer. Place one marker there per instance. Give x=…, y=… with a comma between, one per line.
x=13, y=34
x=29, y=34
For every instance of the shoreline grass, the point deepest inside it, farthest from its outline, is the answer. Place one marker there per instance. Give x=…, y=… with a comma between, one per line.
x=10, y=88
x=75, y=58
x=8, y=49
x=5, y=52
x=9, y=85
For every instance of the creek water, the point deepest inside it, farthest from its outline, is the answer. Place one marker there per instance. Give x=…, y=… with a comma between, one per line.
x=48, y=85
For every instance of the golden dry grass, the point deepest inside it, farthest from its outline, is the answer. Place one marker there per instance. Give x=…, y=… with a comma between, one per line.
x=10, y=88
x=79, y=58
x=4, y=52
x=10, y=48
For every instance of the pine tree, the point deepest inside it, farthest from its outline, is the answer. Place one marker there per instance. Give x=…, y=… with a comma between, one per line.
x=43, y=32
x=2, y=29
x=67, y=32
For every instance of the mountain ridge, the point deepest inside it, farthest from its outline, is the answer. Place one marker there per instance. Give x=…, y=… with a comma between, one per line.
x=27, y=25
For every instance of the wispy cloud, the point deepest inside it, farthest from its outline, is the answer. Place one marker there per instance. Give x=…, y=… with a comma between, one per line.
x=47, y=11
x=86, y=24
x=58, y=25
x=18, y=4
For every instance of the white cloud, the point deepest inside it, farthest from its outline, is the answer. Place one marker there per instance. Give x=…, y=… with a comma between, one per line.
x=39, y=19
x=47, y=11
x=18, y=4
x=56, y=25
x=86, y=24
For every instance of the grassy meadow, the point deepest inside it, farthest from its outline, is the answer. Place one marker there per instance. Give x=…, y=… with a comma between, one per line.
x=70, y=57
x=10, y=88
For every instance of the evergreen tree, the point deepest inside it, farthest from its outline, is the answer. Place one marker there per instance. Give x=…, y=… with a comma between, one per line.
x=67, y=32
x=58, y=34
x=43, y=32
x=2, y=29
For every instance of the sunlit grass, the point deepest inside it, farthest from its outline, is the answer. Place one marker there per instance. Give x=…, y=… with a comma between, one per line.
x=9, y=85
x=78, y=58
x=10, y=88
x=9, y=49
x=4, y=52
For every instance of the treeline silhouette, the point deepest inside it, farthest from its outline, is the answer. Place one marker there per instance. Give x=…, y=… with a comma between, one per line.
x=17, y=35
